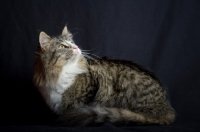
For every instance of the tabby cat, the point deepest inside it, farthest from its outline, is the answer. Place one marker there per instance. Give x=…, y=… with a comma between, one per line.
x=86, y=91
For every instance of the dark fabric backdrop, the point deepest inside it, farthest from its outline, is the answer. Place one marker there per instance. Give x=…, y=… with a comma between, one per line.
x=161, y=35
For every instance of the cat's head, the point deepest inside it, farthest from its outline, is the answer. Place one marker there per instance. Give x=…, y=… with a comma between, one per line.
x=59, y=48
x=56, y=54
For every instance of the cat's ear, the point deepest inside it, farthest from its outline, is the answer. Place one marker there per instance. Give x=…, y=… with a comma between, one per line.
x=65, y=32
x=44, y=40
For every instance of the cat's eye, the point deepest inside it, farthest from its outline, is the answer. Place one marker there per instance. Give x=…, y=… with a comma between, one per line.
x=63, y=47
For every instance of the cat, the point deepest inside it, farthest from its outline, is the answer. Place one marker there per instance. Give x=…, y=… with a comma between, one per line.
x=87, y=92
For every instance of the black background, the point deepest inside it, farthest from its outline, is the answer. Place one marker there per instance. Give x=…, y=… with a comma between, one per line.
x=161, y=35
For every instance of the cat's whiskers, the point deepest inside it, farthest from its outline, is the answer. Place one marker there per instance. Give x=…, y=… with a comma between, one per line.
x=88, y=50
x=87, y=56
x=95, y=55
x=83, y=51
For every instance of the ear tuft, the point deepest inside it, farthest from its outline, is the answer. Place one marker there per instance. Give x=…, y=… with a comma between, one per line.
x=66, y=32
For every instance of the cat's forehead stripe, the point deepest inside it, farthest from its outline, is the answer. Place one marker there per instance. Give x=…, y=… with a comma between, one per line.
x=64, y=43
x=68, y=42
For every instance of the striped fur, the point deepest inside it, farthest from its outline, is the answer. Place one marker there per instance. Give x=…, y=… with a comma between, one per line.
x=86, y=91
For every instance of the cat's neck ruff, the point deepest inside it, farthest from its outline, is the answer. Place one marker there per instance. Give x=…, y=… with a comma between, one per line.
x=68, y=74
x=65, y=80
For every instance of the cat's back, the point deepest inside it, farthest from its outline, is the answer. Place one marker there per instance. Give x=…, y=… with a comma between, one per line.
x=113, y=68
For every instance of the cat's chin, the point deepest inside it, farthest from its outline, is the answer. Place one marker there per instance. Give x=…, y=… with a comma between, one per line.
x=76, y=56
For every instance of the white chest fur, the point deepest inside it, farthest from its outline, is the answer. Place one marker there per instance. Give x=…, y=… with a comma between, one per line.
x=65, y=80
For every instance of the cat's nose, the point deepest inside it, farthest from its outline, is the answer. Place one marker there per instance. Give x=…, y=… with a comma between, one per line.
x=75, y=47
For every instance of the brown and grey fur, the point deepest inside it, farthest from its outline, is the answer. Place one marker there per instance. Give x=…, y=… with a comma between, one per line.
x=115, y=91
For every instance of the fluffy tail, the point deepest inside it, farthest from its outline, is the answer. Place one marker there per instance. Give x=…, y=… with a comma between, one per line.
x=89, y=116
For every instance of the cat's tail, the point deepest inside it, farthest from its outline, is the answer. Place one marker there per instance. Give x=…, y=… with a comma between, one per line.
x=88, y=116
